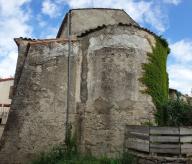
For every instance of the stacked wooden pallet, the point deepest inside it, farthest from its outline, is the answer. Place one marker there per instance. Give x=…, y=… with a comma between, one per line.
x=176, y=141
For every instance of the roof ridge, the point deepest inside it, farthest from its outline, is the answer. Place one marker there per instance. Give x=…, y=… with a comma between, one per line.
x=119, y=24
x=34, y=41
x=95, y=8
x=6, y=79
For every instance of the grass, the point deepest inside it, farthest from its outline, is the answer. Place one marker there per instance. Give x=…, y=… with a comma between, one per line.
x=59, y=155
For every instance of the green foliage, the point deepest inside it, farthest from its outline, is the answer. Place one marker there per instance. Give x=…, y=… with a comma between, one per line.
x=58, y=155
x=70, y=142
x=169, y=112
x=128, y=158
x=155, y=76
x=176, y=113
x=64, y=152
x=51, y=157
x=164, y=43
x=67, y=154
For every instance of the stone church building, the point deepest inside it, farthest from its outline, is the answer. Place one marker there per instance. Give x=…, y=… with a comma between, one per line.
x=88, y=77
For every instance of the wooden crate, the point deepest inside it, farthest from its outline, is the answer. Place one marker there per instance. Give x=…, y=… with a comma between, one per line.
x=176, y=141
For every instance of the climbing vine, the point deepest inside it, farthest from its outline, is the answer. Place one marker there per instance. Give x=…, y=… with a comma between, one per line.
x=155, y=76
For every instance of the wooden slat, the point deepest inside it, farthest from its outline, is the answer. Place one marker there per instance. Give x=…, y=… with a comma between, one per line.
x=186, y=151
x=142, y=136
x=186, y=130
x=137, y=140
x=137, y=128
x=165, y=146
x=186, y=148
x=163, y=139
x=185, y=139
x=137, y=144
x=165, y=151
x=164, y=130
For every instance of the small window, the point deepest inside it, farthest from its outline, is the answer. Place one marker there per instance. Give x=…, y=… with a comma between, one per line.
x=0, y=120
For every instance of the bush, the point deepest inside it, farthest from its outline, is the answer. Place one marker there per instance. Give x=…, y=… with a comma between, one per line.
x=174, y=113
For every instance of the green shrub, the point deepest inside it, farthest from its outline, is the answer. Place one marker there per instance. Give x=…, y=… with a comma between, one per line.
x=176, y=113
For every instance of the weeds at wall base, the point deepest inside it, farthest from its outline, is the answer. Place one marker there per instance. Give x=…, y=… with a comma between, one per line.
x=66, y=153
x=59, y=156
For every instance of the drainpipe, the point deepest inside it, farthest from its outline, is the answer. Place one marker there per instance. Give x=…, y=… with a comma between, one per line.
x=68, y=74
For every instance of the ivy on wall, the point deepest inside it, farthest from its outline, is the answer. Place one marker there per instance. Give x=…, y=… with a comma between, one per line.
x=155, y=76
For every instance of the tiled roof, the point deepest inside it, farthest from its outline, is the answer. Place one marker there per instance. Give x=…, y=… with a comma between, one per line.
x=5, y=105
x=120, y=24
x=42, y=41
x=6, y=79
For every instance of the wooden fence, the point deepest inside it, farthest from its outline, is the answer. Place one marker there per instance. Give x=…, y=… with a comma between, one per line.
x=4, y=111
x=160, y=141
x=1, y=130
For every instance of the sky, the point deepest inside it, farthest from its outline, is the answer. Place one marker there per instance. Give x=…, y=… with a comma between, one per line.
x=42, y=18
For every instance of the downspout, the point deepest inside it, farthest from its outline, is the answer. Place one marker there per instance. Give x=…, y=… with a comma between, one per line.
x=68, y=75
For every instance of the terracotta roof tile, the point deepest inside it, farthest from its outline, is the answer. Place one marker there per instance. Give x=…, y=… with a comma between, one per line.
x=120, y=24
x=43, y=41
x=6, y=79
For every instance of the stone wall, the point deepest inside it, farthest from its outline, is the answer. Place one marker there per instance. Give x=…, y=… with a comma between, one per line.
x=105, y=93
x=110, y=87
x=37, y=118
x=93, y=18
